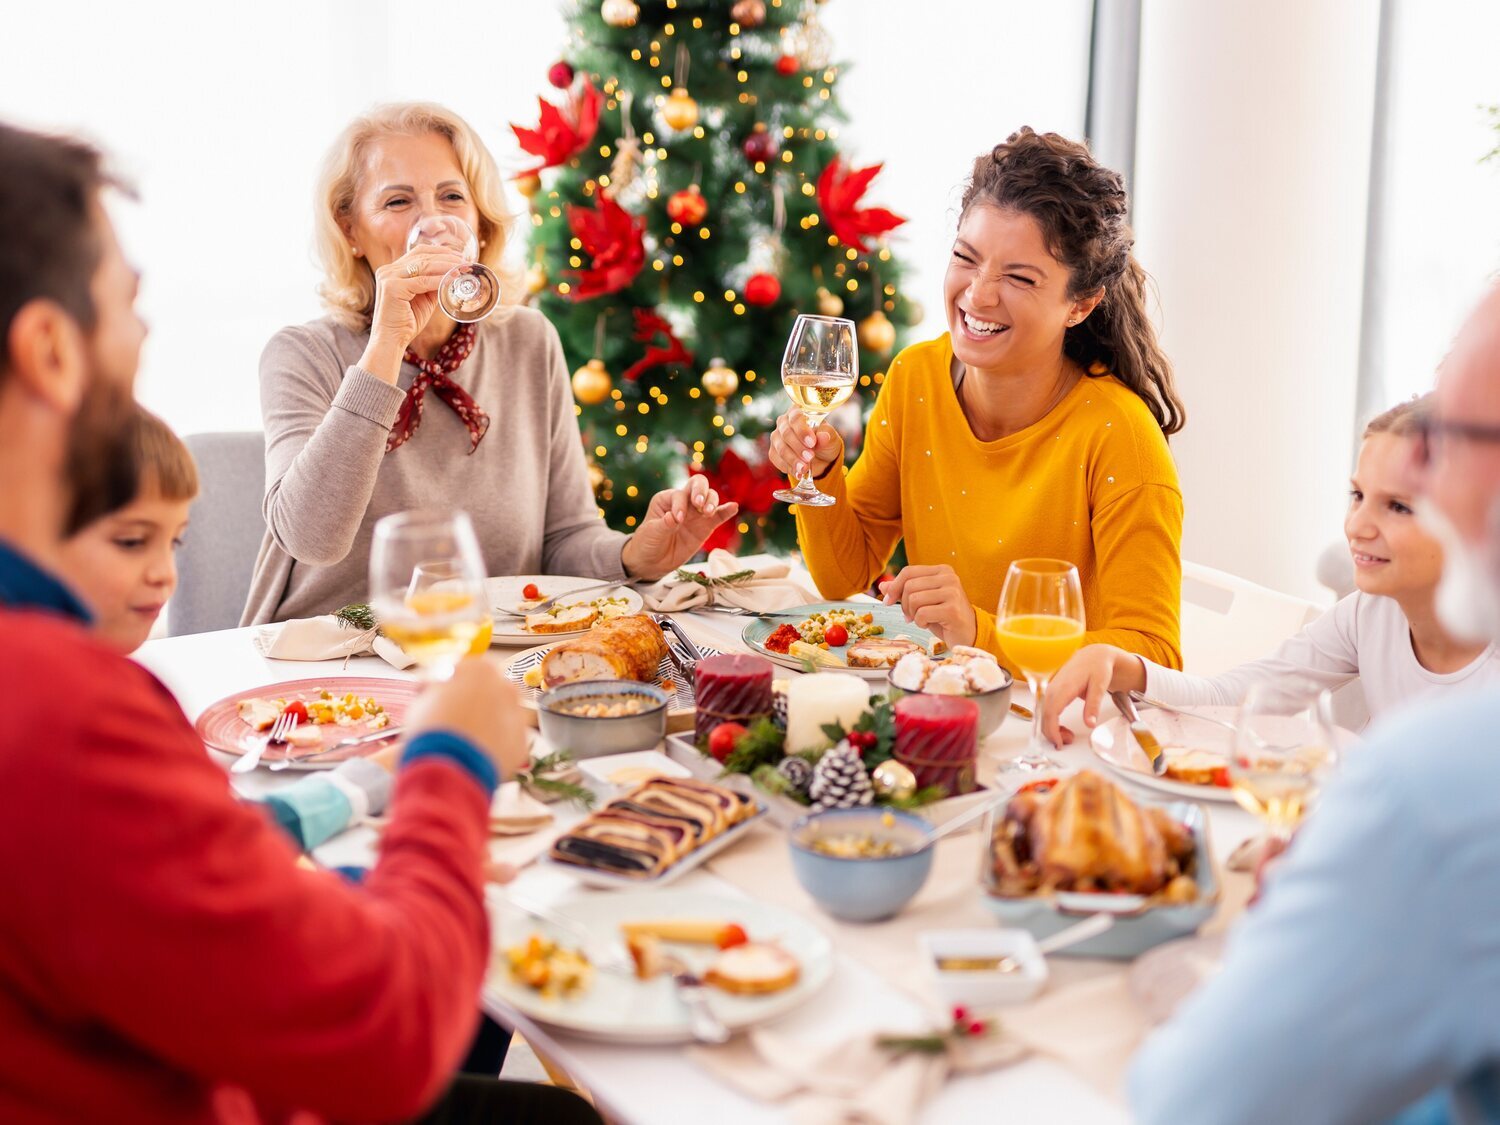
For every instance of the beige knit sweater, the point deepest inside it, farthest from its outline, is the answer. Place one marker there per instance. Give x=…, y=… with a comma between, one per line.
x=329, y=478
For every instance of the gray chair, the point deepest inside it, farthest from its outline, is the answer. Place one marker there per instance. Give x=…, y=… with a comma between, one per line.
x=217, y=557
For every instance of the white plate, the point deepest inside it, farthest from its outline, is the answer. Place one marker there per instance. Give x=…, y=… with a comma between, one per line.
x=889, y=617
x=603, y=770
x=1112, y=744
x=679, y=707
x=617, y=1007
x=505, y=594
x=609, y=881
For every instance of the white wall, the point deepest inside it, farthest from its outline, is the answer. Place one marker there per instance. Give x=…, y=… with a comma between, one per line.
x=221, y=112
x=1251, y=179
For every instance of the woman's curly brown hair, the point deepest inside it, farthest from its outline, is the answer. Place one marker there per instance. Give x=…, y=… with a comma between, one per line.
x=1081, y=207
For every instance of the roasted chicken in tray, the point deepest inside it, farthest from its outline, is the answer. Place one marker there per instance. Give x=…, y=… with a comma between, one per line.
x=618, y=648
x=1085, y=834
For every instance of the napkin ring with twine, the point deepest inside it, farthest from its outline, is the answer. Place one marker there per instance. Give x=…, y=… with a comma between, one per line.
x=738, y=578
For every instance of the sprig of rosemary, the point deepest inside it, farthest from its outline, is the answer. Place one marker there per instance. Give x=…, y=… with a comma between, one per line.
x=535, y=781
x=737, y=578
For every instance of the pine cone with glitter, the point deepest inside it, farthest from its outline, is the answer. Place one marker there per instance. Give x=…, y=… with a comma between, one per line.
x=840, y=780
x=778, y=704
x=797, y=771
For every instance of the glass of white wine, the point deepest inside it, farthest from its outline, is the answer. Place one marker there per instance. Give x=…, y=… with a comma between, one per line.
x=1284, y=745
x=819, y=371
x=468, y=292
x=427, y=588
x=1040, y=625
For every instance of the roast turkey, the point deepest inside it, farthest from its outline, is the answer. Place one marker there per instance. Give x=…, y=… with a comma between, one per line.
x=618, y=648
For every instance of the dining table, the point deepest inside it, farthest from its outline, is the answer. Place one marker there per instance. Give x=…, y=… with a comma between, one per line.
x=871, y=986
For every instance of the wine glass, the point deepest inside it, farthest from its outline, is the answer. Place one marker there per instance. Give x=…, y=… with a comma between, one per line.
x=427, y=587
x=1284, y=744
x=468, y=292
x=819, y=370
x=1039, y=626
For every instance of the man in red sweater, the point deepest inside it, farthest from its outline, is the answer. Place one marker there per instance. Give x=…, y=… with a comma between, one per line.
x=162, y=957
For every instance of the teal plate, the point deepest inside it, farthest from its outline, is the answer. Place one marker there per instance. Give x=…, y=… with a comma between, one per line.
x=888, y=617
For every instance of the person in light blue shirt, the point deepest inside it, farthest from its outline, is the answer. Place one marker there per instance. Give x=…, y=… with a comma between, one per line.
x=1365, y=984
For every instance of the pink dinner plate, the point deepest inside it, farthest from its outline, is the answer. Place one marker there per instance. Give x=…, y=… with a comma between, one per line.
x=221, y=727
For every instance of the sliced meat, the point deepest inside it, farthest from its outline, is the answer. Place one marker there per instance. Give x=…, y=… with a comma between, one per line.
x=618, y=648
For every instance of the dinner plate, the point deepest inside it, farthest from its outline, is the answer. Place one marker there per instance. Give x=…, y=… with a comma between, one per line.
x=618, y=1007
x=222, y=729
x=679, y=707
x=610, y=881
x=1113, y=745
x=505, y=593
x=888, y=617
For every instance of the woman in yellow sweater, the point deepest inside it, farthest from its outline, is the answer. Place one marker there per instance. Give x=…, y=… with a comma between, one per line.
x=1035, y=427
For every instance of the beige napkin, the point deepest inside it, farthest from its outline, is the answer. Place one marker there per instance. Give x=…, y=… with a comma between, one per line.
x=325, y=638
x=855, y=1082
x=768, y=588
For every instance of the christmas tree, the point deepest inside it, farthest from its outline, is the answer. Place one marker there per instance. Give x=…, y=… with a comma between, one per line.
x=689, y=198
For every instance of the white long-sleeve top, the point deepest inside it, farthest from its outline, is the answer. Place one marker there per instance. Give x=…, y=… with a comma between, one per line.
x=1363, y=636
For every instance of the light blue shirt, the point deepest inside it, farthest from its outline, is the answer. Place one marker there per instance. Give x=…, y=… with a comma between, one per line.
x=1365, y=984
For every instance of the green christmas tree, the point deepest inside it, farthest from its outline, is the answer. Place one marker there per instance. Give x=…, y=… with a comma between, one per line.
x=689, y=199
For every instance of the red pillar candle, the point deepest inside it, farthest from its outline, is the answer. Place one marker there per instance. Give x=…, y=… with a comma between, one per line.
x=731, y=688
x=937, y=739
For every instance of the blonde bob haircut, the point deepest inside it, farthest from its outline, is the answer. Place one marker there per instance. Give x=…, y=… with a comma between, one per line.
x=348, y=288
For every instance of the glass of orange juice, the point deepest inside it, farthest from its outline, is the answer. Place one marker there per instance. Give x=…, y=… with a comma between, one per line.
x=427, y=587
x=1040, y=625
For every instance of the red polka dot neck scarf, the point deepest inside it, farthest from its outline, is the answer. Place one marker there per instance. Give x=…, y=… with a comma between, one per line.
x=435, y=373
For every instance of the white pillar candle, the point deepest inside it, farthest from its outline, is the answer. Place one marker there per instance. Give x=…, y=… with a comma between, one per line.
x=819, y=698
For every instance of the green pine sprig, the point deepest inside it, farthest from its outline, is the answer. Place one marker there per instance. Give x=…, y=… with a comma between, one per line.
x=738, y=578
x=762, y=744
x=535, y=780
x=359, y=616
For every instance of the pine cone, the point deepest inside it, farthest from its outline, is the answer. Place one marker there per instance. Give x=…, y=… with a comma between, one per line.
x=797, y=771
x=840, y=780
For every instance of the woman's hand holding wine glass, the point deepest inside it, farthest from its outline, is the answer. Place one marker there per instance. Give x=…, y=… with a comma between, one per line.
x=800, y=449
x=819, y=371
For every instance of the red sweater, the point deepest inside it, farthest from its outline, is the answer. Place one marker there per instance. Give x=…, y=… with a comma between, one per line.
x=162, y=959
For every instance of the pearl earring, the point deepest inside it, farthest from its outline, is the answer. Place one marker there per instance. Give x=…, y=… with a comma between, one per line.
x=357, y=251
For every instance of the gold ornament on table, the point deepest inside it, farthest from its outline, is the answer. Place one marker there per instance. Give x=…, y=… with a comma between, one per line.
x=828, y=303
x=680, y=111
x=592, y=383
x=720, y=380
x=748, y=13
x=894, y=781
x=876, y=333
x=620, y=13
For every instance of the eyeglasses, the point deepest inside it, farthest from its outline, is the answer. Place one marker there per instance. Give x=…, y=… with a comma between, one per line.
x=1433, y=432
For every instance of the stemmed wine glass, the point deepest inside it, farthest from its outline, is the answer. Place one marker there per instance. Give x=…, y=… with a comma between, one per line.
x=1039, y=626
x=468, y=292
x=819, y=370
x=427, y=587
x=1285, y=743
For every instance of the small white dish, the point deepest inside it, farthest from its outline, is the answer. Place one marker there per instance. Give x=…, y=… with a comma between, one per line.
x=626, y=771
x=977, y=988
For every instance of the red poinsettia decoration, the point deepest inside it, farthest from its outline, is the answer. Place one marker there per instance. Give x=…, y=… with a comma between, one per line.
x=563, y=131
x=839, y=193
x=611, y=236
x=750, y=485
x=649, y=325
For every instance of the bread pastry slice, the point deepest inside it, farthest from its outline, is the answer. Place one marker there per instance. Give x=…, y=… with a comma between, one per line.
x=755, y=968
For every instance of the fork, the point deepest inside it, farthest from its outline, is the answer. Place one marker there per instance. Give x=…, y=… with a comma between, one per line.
x=1140, y=697
x=705, y=1026
x=279, y=730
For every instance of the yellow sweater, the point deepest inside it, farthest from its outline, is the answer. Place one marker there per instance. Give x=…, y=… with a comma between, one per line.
x=1092, y=483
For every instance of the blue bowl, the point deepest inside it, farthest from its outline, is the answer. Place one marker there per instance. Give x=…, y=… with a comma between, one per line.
x=862, y=890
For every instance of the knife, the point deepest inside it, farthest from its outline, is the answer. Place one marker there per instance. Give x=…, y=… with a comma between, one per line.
x=343, y=744
x=1141, y=731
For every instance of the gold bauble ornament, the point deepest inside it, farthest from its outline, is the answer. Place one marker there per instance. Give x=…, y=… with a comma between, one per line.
x=680, y=111
x=828, y=303
x=528, y=185
x=893, y=781
x=596, y=476
x=620, y=13
x=720, y=379
x=536, y=279
x=748, y=13
x=876, y=333
x=591, y=383
x=914, y=313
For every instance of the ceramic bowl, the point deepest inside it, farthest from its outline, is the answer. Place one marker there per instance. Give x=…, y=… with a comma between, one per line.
x=981, y=989
x=588, y=736
x=859, y=889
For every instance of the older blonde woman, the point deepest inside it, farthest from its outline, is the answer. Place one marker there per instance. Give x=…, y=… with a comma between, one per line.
x=386, y=404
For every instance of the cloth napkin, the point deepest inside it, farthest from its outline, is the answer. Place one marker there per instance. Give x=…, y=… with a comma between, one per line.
x=764, y=589
x=854, y=1082
x=325, y=638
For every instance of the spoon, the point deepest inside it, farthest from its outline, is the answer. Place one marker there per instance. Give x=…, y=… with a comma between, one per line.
x=1090, y=927
x=947, y=828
